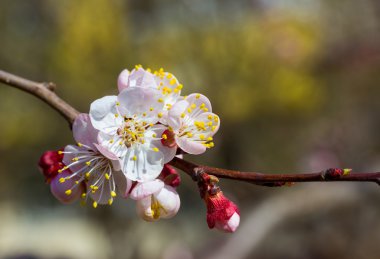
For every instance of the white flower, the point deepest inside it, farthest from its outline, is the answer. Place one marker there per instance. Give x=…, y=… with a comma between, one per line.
x=93, y=165
x=155, y=200
x=192, y=125
x=165, y=82
x=126, y=125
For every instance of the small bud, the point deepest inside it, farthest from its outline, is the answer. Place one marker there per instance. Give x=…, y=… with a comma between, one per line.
x=222, y=213
x=50, y=164
x=170, y=176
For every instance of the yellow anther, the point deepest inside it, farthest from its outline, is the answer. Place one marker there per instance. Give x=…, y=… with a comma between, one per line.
x=216, y=118
x=170, y=129
x=197, y=96
x=209, y=117
x=121, y=143
x=183, y=115
x=62, y=180
x=59, y=171
x=160, y=100
x=113, y=194
x=213, y=128
x=211, y=144
x=154, y=135
x=149, y=70
x=75, y=159
x=164, y=136
x=76, y=182
x=107, y=176
x=176, y=90
x=202, y=105
x=209, y=123
x=169, y=76
x=184, y=97
x=160, y=115
x=68, y=192
x=205, y=109
x=134, y=158
x=144, y=114
x=88, y=175
x=209, y=139
x=95, y=187
x=116, y=115
x=151, y=109
x=172, y=82
x=189, y=134
x=60, y=152
x=155, y=149
x=65, y=168
x=180, y=86
x=83, y=195
x=94, y=204
x=111, y=141
x=193, y=106
x=79, y=144
x=117, y=103
x=189, y=110
x=201, y=137
x=88, y=163
x=110, y=201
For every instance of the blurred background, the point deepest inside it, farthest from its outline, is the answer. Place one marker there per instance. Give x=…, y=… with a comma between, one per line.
x=296, y=84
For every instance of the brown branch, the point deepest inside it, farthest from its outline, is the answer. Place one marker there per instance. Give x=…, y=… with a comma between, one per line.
x=45, y=91
x=273, y=180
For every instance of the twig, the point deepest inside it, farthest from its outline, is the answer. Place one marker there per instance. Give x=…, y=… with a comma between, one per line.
x=45, y=91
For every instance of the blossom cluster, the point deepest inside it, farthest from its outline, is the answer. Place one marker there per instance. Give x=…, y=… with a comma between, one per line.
x=124, y=143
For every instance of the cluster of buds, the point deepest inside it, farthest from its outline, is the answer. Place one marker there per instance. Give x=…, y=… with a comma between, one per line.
x=125, y=142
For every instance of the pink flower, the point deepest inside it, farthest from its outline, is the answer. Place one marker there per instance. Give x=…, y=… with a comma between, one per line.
x=92, y=165
x=155, y=200
x=222, y=213
x=192, y=124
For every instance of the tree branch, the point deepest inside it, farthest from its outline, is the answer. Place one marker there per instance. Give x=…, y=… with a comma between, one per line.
x=45, y=92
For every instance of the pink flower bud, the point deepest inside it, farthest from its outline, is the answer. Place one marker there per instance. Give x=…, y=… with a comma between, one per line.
x=170, y=176
x=49, y=164
x=222, y=213
x=66, y=189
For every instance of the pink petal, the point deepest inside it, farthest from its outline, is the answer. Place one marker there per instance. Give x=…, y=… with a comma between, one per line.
x=123, y=79
x=145, y=189
x=83, y=130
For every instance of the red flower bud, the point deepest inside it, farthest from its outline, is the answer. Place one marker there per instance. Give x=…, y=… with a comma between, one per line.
x=170, y=176
x=49, y=164
x=222, y=213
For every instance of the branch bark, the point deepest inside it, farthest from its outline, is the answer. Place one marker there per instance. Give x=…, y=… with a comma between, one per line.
x=45, y=92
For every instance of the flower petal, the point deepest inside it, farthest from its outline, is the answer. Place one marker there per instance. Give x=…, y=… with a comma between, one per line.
x=145, y=189
x=174, y=118
x=190, y=146
x=199, y=100
x=113, y=144
x=141, y=78
x=59, y=189
x=123, y=80
x=169, y=202
x=143, y=103
x=103, y=114
x=123, y=184
x=168, y=152
x=83, y=131
x=142, y=164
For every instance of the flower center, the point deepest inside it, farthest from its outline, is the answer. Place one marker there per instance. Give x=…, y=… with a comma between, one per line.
x=133, y=132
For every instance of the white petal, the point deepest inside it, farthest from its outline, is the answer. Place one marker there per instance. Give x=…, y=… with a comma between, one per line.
x=230, y=225
x=168, y=152
x=174, y=119
x=102, y=114
x=142, y=164
x=122, y=80
x=142, y=103
x=58, y=189
x=169, y=200
x=141, y=78
x=114, y=144
x=190, y=146
x=144, y=209
x=83, y=130
x=123, y=184
x=198, y=100
x=111, y=156
x=145, y=189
